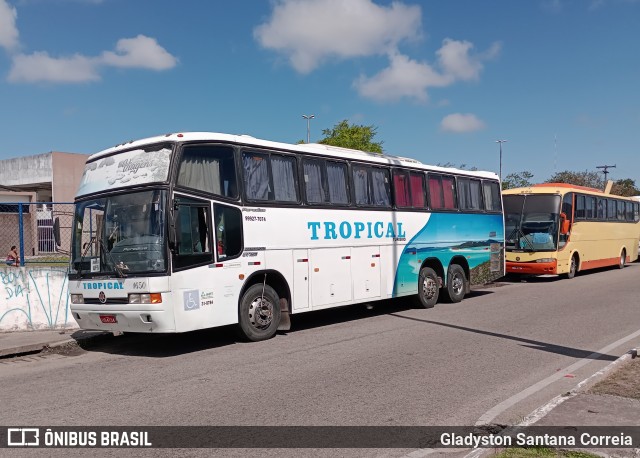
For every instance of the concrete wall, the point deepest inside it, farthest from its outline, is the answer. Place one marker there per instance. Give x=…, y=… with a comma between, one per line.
x=67, y=170
x=34, y=298
x=26, y=170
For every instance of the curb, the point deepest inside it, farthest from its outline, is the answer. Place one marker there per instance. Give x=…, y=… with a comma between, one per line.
x=42, y=346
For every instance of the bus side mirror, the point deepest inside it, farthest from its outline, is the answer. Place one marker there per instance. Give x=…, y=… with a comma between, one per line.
x=565, y=224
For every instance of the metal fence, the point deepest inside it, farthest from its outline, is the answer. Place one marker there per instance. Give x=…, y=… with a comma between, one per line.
x=32, y=228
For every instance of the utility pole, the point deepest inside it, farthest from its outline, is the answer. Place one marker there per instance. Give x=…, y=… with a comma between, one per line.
x=501, y=142
x=605, y=170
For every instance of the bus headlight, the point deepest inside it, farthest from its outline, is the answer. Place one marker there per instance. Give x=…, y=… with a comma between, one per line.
x=145, y=298
x=77, y=299
x=546, y=260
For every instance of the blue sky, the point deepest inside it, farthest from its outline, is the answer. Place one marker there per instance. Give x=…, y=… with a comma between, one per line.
x=441, y=80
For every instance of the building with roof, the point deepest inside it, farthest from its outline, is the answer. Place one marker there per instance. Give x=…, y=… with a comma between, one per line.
x=37, y=182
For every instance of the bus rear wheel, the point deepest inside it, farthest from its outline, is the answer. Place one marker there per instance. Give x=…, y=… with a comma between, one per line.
x=456, y=283
x=428, y=289
x=259, y=313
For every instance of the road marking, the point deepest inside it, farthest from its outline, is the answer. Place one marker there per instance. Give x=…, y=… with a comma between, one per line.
x=540, y=412
x=492, y=413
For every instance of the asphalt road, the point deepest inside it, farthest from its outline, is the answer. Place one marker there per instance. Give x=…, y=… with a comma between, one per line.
x=494, y=357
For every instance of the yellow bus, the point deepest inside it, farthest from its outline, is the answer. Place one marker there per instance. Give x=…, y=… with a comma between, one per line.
x=561, y=229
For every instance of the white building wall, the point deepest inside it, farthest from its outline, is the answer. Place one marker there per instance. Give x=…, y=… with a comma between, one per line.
x=26, y=170
x=34, y=298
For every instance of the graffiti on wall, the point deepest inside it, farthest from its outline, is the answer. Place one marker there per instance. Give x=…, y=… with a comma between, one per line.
x=34, y=298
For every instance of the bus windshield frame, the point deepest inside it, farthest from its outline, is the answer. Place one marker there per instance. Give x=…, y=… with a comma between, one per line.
x=122, y=235
x=532, y=222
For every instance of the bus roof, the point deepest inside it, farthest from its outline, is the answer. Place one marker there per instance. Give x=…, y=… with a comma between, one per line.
x=559, y=188
x=311, y=148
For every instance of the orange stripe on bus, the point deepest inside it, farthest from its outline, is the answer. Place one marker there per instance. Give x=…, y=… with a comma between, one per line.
x=601, y=263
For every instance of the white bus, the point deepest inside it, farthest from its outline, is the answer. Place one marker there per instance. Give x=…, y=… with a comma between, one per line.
x=197, y=230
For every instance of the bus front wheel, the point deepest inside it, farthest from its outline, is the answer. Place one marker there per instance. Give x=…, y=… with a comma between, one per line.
x=573, y=267
x=428, y=289
x=259, y=313
x=623, y=259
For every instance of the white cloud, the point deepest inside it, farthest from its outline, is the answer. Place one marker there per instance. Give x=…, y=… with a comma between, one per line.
x=39, y=67
x=405, y=77
x=8, y=28
x=308, y=32
x=552, y=6
x=139, y=52
x=455, y=60
x=461, y=123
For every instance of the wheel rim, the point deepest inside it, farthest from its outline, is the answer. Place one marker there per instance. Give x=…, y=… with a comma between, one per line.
x=261, y=313
x=457, y=284
x=622, y=259
x=429, y=288
x=573, y=266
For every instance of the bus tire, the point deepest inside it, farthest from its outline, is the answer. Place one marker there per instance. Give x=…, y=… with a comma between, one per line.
x=573, y=268
x=258, y=314
x=428, y=289
x=623, y=259
x=456, y=283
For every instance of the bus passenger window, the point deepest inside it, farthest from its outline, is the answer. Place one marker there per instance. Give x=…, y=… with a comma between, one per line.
x=313, y=181
x=228, y=224
x=401, y=189
x=416, y=181
x=283, y=169
x=491, y=191
x=256, y=176
x=208, y=168
x=337, y=180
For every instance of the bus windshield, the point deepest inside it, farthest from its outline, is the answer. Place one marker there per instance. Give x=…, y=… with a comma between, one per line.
x=531, y=222
x=121, y=234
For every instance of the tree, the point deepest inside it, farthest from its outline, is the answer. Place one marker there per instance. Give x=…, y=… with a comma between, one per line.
x=352, y=136
x=586, y=178
x=625, y=187
x=517, y=180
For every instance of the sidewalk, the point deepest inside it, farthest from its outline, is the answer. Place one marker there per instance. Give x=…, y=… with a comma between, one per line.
x=19, y=342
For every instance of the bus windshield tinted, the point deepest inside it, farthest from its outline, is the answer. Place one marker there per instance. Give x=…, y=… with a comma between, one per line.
x=122, y=234
x=531, y=222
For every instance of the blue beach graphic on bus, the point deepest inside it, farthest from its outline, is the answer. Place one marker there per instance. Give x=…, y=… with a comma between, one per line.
x=445, y=236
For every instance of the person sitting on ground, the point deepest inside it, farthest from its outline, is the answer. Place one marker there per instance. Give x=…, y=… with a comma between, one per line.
x=12, y=257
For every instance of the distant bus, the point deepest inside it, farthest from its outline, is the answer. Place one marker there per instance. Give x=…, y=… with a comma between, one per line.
x=197, y=230
x=557, y=228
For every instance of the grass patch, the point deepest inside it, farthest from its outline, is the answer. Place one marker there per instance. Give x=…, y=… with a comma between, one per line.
x=541, y=452
x=625, y=381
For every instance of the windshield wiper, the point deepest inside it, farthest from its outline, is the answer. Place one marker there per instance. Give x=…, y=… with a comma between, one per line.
x=118, y=268
x=83, y=255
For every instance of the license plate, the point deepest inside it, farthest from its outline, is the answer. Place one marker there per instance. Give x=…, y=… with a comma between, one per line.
x=108, y=319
